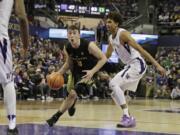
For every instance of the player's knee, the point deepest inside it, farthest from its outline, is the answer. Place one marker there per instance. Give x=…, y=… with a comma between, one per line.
x=73, y=94
x=112, y=84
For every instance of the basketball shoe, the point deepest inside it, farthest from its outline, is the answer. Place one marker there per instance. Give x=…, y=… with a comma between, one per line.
x=12, y=131
x=53, y=119
x=127, y=122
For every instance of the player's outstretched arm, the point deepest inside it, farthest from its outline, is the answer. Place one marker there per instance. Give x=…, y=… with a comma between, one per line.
x=126, y=38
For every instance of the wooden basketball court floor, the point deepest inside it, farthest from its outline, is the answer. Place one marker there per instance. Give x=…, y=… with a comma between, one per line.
x=153, y=116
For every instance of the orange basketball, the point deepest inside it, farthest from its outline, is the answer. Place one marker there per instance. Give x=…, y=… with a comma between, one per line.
x=55, y=81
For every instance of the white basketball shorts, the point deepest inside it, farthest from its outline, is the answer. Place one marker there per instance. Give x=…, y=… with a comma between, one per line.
x=6, y=70
x=129, y=77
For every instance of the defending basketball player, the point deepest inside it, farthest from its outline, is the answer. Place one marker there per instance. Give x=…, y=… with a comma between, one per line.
x=130, y=53
x=84, y=59
x=6, y=70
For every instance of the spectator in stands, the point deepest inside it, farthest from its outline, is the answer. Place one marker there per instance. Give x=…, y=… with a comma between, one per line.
x=175, y=94
x=161, y=88
x=151, y=9
x=149, y=82
x=102, y=84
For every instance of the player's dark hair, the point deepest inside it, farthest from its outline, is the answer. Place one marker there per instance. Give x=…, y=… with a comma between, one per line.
x=116, y=17
x=73, y=27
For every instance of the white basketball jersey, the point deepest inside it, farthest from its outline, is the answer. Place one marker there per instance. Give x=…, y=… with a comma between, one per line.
x=5, y=13
x=125, y=52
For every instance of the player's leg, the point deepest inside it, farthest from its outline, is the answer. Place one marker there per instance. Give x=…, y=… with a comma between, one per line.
x=6, y=79
x=72, y=109
x=67, y=103
x=127, y=79
x=116, y=84
x=10, y=104
x=70, y=86
x=118, y=93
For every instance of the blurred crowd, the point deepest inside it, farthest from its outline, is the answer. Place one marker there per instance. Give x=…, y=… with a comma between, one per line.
x=157, y=86
x=45, y=56
x=168, y=12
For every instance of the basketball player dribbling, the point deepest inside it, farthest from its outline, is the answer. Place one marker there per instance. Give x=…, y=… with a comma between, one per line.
x=84, y=59
x=6, y=69
x=129, y=53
